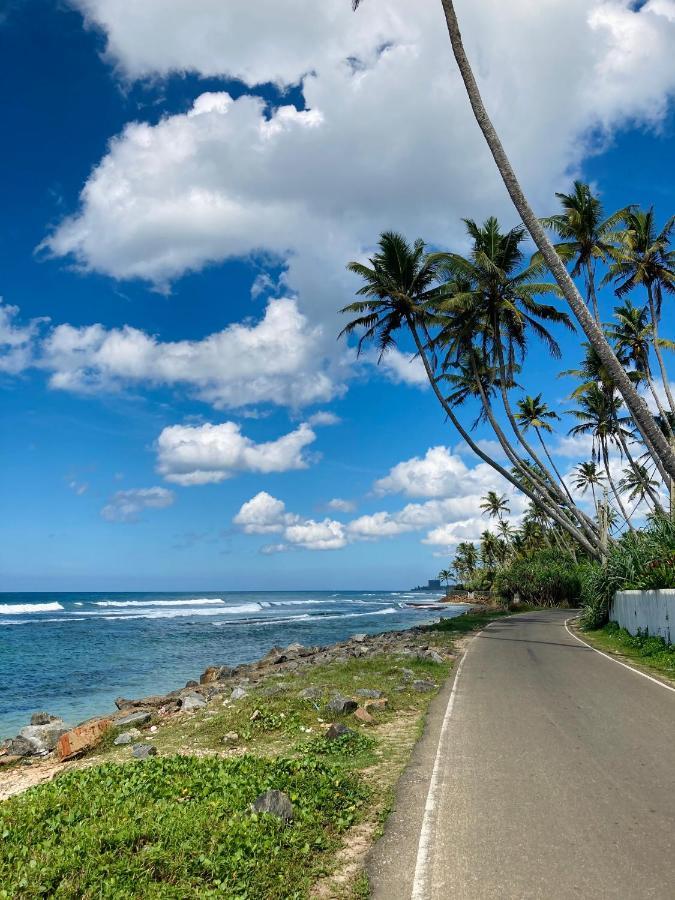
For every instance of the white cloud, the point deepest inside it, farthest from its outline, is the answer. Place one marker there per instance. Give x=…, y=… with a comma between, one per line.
x=311, y=535
x=208, y=454
x=402, y=368
x=78, y=488
x=127, y=506
x=275, y=360
x=340, y=505
x=440, y=473
x=323, y=417
x=263, y=514
x=17, y=340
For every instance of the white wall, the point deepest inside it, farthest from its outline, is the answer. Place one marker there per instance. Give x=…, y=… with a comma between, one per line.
x=651, y=611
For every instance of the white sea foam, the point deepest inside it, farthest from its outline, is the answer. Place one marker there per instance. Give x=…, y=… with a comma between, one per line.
x=140, y=613
x=20, y=609
x=198, y=601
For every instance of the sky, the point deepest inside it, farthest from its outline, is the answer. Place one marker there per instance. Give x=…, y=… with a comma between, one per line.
x=183, y=183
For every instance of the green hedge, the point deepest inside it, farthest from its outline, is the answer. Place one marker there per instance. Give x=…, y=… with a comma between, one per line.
x=641, y=560
x=542, y=578
x=174, y=827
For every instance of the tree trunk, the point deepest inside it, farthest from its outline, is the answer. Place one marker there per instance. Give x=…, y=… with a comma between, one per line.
x=617, y=495
x=657, y=350
x=659, y=405
x=574, y=532
x=649, y=490
x=554, y=467
x=641, y=415
x=592, y=296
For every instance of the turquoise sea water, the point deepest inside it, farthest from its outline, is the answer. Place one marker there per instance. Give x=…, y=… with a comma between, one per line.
x=72, y=654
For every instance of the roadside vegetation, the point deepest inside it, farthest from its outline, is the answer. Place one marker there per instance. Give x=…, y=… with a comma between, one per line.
x=180, y=824
x=647, y=651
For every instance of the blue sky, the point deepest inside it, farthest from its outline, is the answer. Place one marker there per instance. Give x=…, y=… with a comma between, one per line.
x=236, y=220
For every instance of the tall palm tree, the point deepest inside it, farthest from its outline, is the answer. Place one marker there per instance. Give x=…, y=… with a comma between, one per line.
x=635, y=482
x=490, y=550
x=588, y=475
x=397, y=290
x=444, y=576
x=534, y=413
x=638, y=409
x=494, y=505
x=466, y=560
x=644, y=258
x=588, y=237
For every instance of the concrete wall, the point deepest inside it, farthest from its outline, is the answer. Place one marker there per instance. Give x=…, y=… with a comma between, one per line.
x=651, y=611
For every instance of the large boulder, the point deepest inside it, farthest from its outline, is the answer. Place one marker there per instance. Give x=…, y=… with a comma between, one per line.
x=142, y=717
x=215, y=673
x=341, y=705
x=274, y=803
x=82, y=738
x=43, y=718
x=191, y=702
x=38, y=740
x=336, y=730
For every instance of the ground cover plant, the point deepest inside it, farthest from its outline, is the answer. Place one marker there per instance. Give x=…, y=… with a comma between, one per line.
x=650, y=651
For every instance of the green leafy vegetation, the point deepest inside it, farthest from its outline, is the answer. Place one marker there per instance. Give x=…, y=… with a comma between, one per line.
x=651, y=651
x=641, y=560
x=469, y=622
x=541, y=578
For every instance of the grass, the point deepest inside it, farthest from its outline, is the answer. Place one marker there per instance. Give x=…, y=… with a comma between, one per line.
x=469, y=621
x=180, y=825
x=649, y=652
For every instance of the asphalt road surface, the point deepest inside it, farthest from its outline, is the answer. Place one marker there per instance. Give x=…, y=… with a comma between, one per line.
x=546, y=771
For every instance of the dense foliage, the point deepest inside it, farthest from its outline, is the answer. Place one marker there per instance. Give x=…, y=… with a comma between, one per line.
x=641, y=560
x=541, y=578
x=650, y=649
x=175, y=827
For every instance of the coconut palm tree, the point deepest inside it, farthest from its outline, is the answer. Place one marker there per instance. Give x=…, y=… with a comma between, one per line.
x=398, y=291
x=587, y=474
x=494, y=505
x=444, y=576
x=490, y=550
x=635, y=482
x=638, y=409
x=466, y=560
x=588, y=237
x=534, y=413
x=644, y=257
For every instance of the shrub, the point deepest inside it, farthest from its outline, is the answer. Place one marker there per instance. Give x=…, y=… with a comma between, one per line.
x=542, y=578
x=641, y=560
x=174, y=827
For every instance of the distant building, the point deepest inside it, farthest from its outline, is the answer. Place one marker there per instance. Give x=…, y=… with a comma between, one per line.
x=433, y=584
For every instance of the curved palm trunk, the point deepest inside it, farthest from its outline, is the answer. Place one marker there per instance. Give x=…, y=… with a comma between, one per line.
x=659, y=405
x=590, y=286
x=641, y=415
x=573, y=532
x=657, y=349
x=554, y=467
x=617, y=495
x=648, y=489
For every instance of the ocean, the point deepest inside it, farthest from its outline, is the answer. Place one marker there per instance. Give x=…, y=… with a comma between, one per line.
x=72, y=654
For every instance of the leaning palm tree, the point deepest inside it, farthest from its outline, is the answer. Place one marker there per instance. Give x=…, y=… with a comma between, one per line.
x=588, y=475
x=534, y=413
x=588, y=237
x=494, y=505
x=644, y=258
x=643, y=418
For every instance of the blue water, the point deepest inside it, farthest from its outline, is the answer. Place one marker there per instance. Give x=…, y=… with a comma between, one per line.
x=72, y=654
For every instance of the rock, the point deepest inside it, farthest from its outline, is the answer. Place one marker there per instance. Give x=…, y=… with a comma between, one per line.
x=238, y=694
x=43, y=718
x=231, y=737
x=422, y=686
x=82, y=738
x=144, y=703
x=274, y=803
x=369, y=693
x=215, y=673
x=143, y=751
x=311, y=693
x=8, y=759
x=19, y=747
x=377, y=705
x=341, y=705
x=275, y=656
x=273, y=690
x=336, y=730
x=430, y=656
x=363, y=716
x=191, y=684
x=408, y=674
x=136, y=719
x=127, y=737
x=191, y=702
x=359, y=638
x=255, y=715
x=38, y=740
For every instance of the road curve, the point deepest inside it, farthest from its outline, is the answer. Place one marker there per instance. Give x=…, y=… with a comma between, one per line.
x=555, y=778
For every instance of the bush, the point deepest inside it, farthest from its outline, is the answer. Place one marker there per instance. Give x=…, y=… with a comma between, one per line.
x=542, y=578
x=174, y=827
x=641, y=560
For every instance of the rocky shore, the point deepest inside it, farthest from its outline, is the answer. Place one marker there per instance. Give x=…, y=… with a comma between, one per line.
x=48, y=736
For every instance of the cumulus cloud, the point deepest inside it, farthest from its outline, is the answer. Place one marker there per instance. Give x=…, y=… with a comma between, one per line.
x=208, y=454
x=403, y=368
x=340, y=505
x=264, y=514
x=17, y=340
x=440, y=473
x=127, y=506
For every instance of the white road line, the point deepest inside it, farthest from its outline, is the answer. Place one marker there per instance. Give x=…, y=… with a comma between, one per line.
x=419, y=887
x=618, y=662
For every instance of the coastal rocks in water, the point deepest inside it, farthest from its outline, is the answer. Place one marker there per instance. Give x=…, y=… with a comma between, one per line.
x=363, y=716
x=274, y=803
x=143, y=751
x=340, y=704
x=360, y=638
x=82, y=738
x=215, y=673
x=43, y=718
x=191, y=702
x=311, y=693
x=238, y=694
x=369, y=693
x=336, y=730
x=422, y=686
x=127, y=737
x=38, y=740
x=136, y=719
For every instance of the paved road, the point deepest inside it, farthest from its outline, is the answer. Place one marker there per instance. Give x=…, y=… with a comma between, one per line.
x=556, y=778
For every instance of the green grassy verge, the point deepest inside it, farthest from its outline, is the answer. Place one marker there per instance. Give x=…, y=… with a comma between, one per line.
x=469, y=622
x=180, y=825
x=649, y=652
